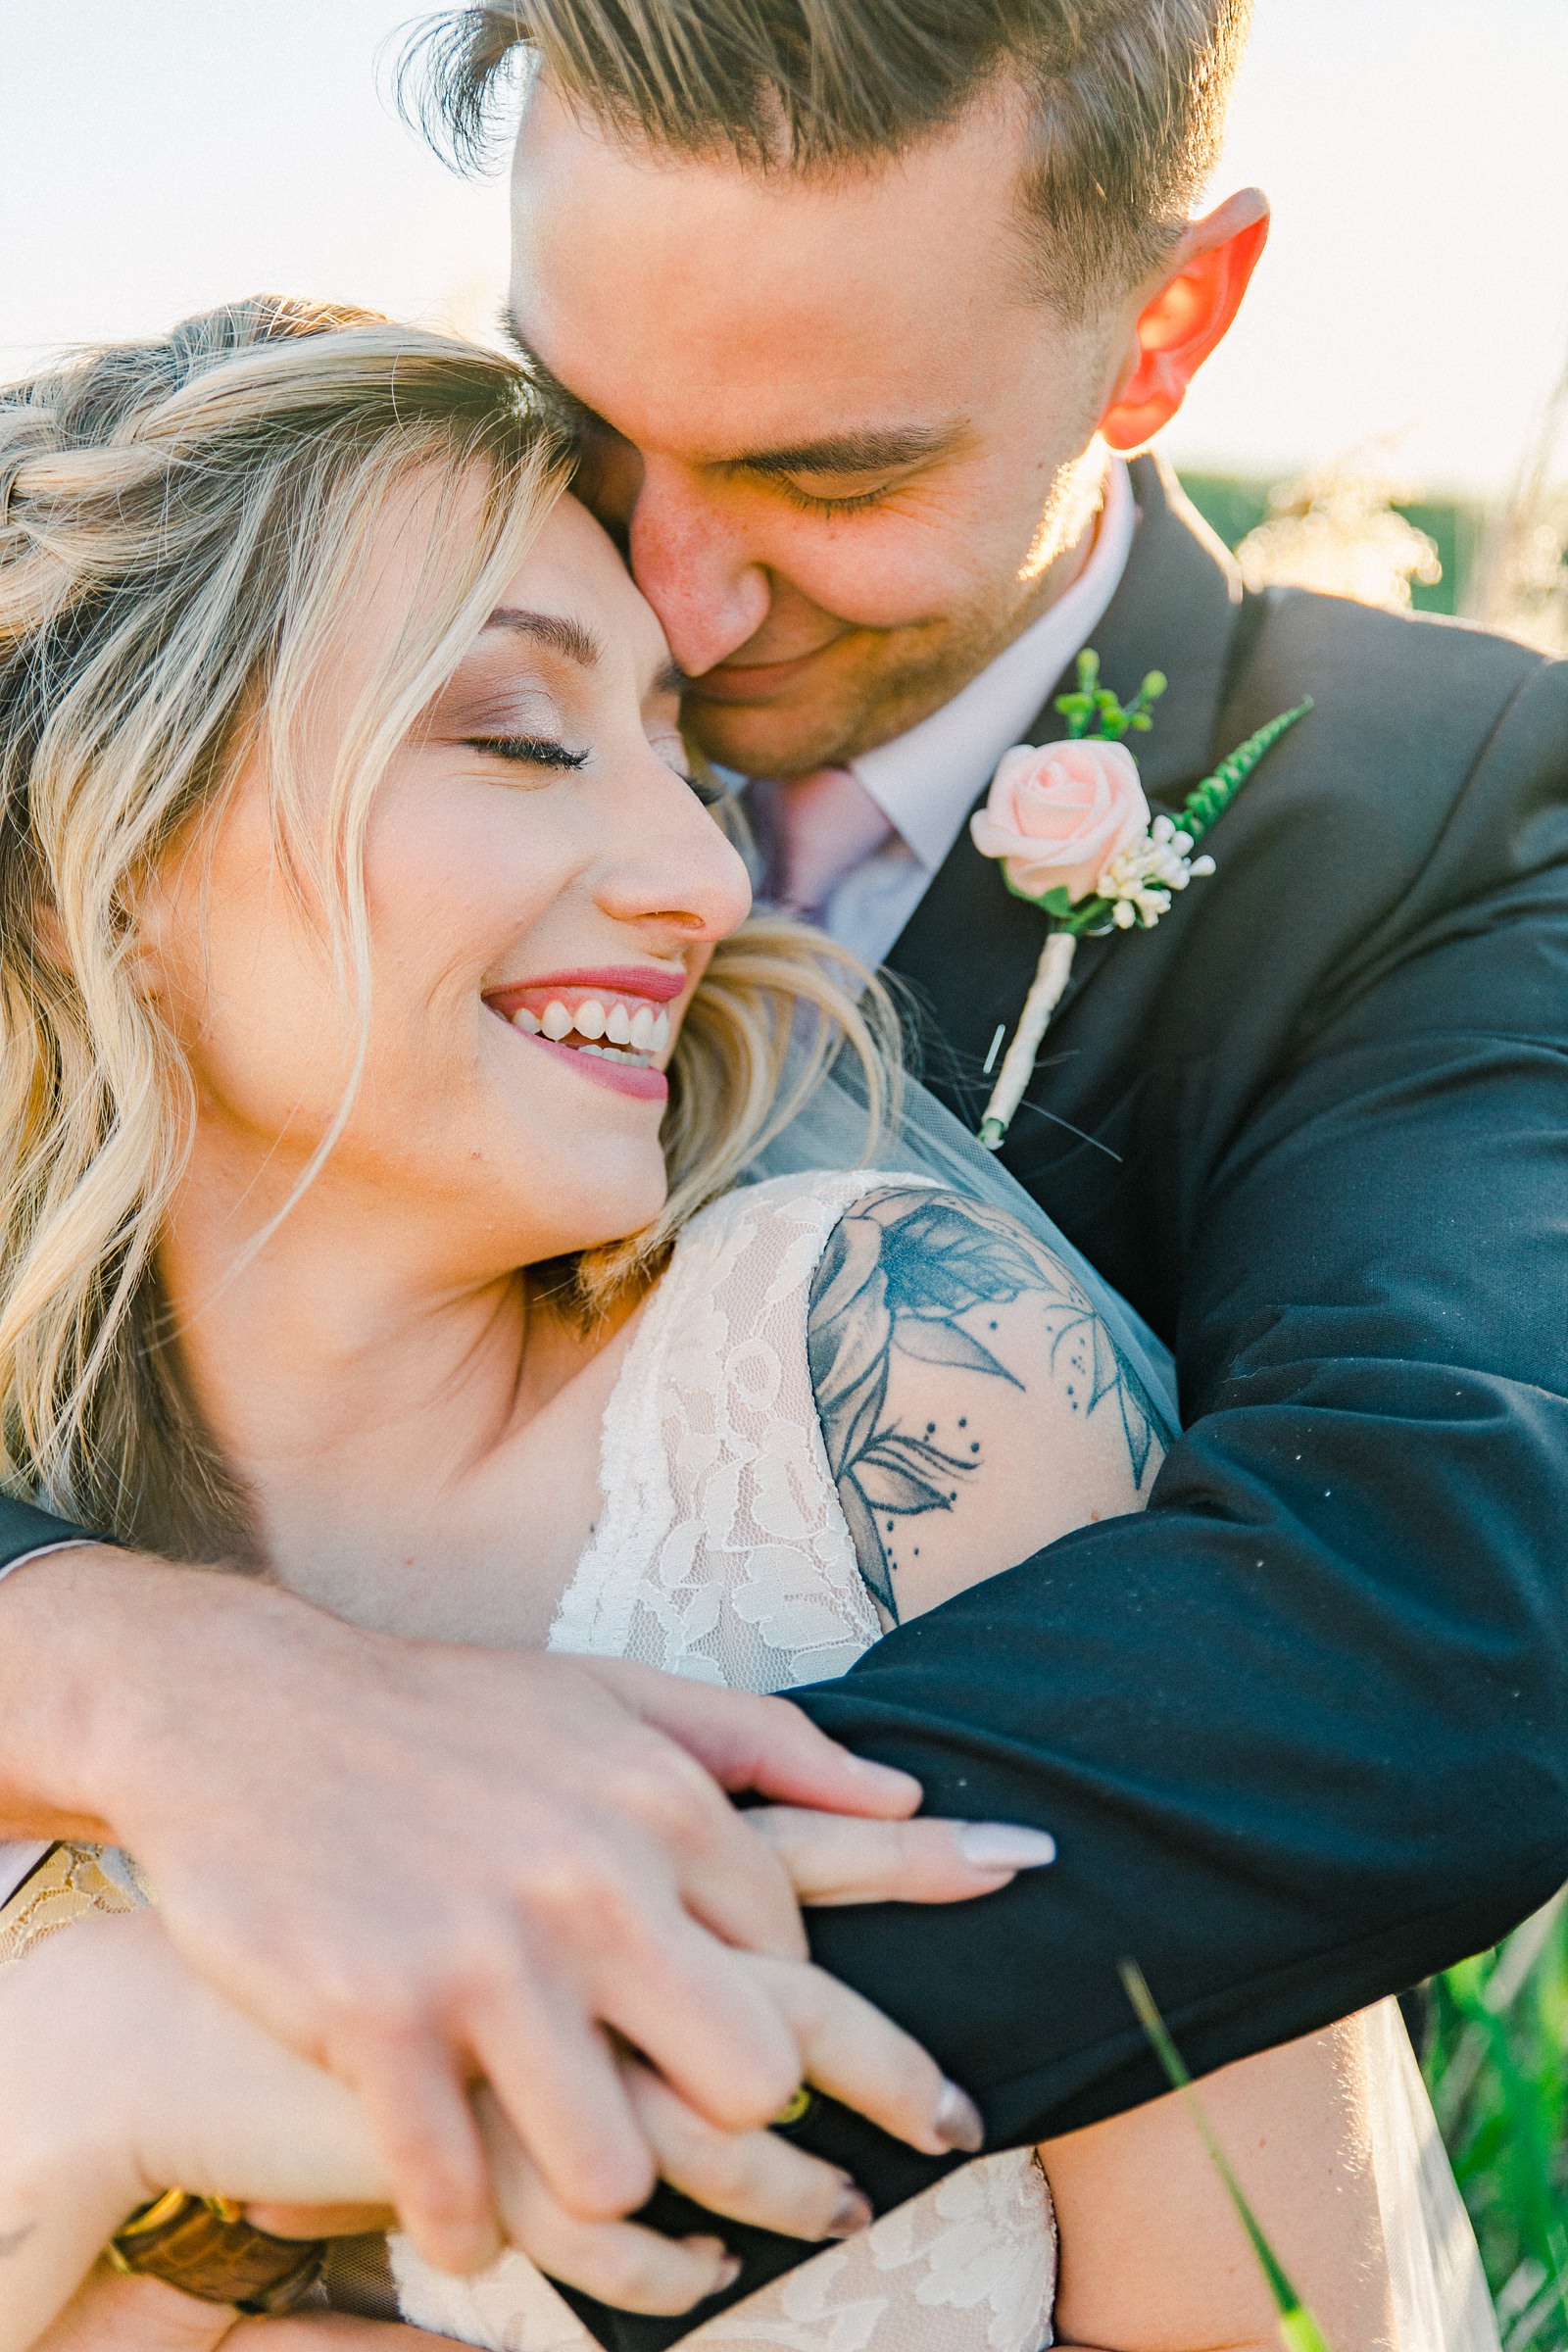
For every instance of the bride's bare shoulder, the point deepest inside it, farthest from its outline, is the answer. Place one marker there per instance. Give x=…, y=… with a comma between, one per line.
x=974, y=1402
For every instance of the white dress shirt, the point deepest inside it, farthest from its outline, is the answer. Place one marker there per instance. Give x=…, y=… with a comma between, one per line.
x=15, y=1861
x=926, y=782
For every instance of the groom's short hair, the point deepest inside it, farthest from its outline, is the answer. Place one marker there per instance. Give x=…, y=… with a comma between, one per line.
x=1126, y=98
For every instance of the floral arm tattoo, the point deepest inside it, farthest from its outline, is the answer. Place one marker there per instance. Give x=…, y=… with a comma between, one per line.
x=899, y=1273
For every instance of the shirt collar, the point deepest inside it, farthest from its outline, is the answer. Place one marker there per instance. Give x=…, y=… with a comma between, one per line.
x=926, y=781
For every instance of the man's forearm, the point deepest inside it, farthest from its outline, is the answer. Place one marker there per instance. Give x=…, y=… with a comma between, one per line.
x=1329, y=1785
x=102, y=1654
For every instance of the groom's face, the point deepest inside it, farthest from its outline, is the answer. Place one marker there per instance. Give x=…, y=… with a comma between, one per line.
x=848, y=445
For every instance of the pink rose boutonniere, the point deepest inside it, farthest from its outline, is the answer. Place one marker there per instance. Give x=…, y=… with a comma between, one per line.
x=1056, y=817
x=1073, y=830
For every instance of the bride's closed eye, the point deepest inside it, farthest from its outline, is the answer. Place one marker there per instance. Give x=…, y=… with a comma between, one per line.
x=526, y=751
x=543, y=751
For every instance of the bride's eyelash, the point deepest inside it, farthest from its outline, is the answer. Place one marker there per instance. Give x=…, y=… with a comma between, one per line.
x=527, y=751
x=541, y=751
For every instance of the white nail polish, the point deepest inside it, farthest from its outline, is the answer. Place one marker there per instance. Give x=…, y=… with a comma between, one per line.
x=957, y=2122
x=1005, y=1846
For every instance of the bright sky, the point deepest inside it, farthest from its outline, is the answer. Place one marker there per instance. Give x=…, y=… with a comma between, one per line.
x=172, y=153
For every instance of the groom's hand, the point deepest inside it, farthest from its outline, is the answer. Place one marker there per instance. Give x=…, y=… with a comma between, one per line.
x=422, y=1866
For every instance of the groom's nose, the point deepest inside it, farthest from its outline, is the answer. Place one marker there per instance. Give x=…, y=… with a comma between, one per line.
x=692, y=563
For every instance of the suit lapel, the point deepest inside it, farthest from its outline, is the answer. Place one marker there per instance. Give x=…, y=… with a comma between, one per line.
x=968, y=951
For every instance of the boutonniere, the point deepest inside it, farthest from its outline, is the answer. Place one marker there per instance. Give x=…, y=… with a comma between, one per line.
x=1073, y=831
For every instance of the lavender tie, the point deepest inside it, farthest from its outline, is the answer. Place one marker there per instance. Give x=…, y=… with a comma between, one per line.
x=818, y=828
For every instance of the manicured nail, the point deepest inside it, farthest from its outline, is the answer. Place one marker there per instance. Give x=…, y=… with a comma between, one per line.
x=884, y=1774
x=854, y=2210
x=1005, y=1846
x=957, y=2122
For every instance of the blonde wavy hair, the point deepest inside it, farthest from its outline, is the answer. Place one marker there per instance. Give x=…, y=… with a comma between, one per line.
x=182, y=521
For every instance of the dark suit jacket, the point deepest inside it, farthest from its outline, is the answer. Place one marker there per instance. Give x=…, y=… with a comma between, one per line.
x=1302, y=1729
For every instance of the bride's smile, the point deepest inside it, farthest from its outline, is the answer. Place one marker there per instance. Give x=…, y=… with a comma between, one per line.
x=542, y=887
x=482, y=1089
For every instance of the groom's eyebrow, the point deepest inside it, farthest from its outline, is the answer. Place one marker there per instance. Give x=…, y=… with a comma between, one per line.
x=868, y=451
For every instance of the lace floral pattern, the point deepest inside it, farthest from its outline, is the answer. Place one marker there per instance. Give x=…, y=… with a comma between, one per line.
x=720, y=1550
x=721, y=1553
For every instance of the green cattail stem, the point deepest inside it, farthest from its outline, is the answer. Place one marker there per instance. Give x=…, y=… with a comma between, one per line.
x=1298, y=2330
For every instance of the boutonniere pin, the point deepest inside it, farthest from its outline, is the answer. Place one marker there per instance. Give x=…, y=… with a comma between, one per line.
x=1073, y=831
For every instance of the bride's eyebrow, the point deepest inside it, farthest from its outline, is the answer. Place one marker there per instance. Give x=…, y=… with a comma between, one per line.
x=557, y=630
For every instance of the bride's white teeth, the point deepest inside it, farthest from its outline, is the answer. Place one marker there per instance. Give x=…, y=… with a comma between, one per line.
x=525, y=1021
x=618, y=1026
x=589, y=1020
x=636, y=1062
x=660, y=1036
x=557, y=1022
x=641, y=1032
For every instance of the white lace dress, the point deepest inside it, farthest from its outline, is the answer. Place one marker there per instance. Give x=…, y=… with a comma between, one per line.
x=720, y=1552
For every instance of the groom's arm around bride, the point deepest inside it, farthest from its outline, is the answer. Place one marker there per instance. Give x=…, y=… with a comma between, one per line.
x=1300, y=1728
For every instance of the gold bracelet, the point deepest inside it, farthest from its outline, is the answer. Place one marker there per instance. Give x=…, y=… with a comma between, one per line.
x=207, y=2248
x=202, y=2245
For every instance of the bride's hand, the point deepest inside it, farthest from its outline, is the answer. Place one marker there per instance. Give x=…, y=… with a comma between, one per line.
x=124, y=2073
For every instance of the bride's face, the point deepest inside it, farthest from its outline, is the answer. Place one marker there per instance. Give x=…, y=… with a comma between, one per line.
x=544, y=892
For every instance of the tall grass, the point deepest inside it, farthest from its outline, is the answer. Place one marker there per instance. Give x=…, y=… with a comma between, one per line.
x=1496, y=2061
x=1495, y=2038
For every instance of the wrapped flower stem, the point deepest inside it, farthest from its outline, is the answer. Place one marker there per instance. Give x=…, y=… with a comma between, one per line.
x=1052, y=974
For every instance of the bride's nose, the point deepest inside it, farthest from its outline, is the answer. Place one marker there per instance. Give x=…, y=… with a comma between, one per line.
x=672, y=865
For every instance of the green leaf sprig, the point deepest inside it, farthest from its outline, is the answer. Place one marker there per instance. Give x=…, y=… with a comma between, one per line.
x=1094, y=711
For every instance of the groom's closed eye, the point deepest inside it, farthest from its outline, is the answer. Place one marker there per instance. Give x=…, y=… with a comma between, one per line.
x=846, y=471
x=835, y=474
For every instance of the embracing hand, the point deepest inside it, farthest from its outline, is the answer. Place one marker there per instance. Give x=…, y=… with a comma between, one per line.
x=423, y=1866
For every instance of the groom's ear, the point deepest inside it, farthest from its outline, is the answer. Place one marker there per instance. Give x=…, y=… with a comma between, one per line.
x=1189, y=313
